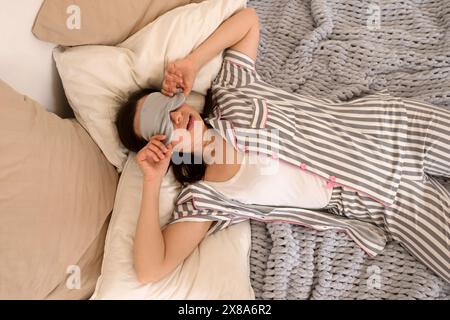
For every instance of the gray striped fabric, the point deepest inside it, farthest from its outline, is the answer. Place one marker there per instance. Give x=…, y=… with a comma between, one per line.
x=199, y=200
x=355, y=142
x=360, y=146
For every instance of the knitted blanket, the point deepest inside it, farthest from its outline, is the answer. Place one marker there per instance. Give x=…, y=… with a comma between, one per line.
x=342, y=49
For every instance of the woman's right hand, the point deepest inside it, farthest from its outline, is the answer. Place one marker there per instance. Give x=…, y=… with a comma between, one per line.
x=154, y=158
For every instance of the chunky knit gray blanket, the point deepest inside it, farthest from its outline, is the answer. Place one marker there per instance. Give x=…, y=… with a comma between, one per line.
x=342, y=49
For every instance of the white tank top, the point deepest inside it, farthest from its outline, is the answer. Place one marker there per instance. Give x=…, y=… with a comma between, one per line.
x=262, y=180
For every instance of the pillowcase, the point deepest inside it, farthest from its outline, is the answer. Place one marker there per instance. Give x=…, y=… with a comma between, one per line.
x=57, y=190
x=217, y=269
x=98, y=79
x=90, y=265
x=108, y=22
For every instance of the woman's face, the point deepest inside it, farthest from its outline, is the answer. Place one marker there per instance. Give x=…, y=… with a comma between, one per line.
x=186, y=122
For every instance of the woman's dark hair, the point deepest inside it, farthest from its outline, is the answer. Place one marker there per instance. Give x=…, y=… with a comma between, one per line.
x=125, y=121
x=185, y=172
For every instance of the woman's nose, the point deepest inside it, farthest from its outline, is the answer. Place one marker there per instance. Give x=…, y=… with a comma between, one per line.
x=176, y=117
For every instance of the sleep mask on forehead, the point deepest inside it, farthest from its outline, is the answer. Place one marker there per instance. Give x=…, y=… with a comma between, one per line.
x=154, y=117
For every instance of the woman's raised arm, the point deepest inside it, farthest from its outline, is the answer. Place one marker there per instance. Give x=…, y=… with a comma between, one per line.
x=240, y=32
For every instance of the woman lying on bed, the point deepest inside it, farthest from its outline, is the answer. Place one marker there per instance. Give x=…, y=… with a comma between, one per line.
x=365, y=167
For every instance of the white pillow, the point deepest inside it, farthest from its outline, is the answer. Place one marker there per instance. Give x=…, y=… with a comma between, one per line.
x=217, y=269
x=97, y=79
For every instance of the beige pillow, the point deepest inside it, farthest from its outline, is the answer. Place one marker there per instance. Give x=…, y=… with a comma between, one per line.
x=56, y=191
x=108, y=22
x=90, y=268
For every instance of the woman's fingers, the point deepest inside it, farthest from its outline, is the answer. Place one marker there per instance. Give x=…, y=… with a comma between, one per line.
x=157, y=146
x=160, y=146
x=165, y=149
x=180, y=74
x=141, y=156
x=166, y=93
x=145, y=154
x=156, y=151
x=152, y=155
x=172, y=69
x=159, y=137
x=171, y=82
x=175, y=81
x=173, y=78
x=169, y=88
x=173, y=75
x=155, y=155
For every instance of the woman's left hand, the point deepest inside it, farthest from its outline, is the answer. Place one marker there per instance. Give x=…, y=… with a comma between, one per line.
x=179, y=74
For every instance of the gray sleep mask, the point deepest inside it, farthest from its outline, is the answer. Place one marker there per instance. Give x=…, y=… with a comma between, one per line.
x=154, y=117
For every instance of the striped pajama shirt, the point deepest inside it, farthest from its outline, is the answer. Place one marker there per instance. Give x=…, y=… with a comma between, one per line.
x=379, y=154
